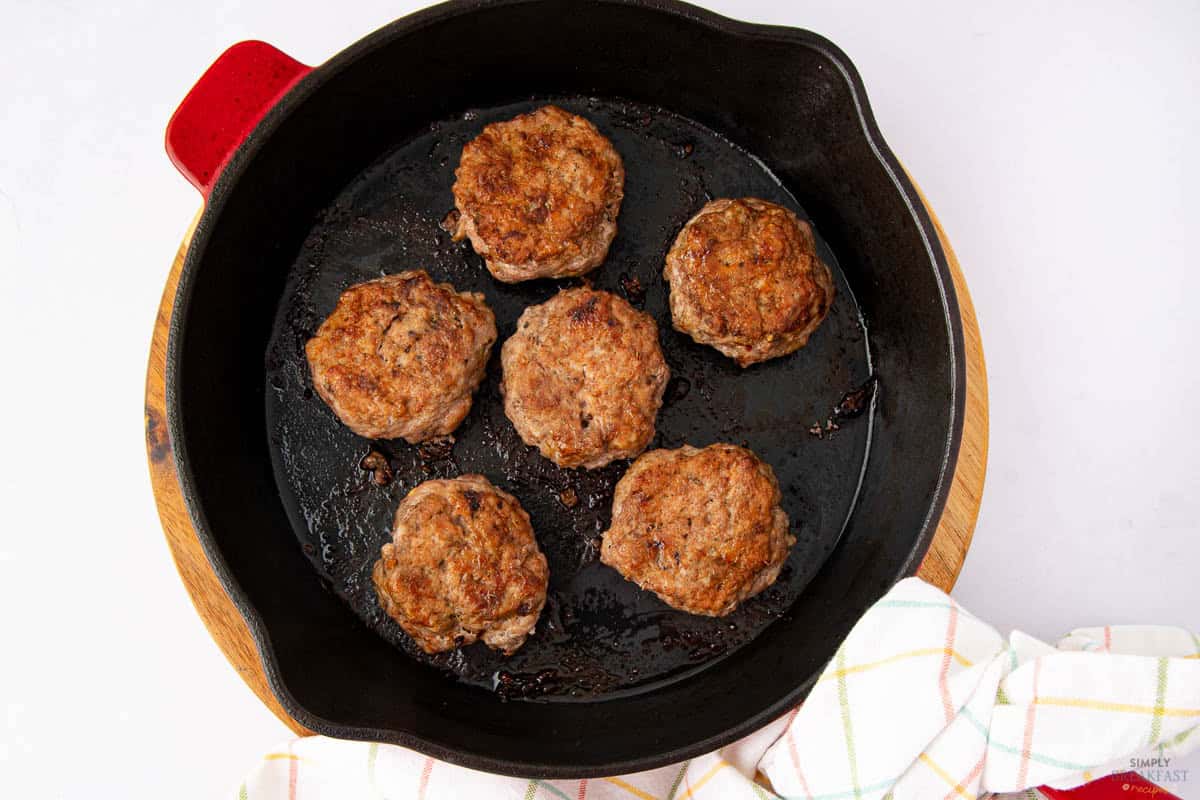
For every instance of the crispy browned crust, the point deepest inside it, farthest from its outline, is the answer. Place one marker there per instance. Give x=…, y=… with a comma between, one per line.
x=538, y=195
x=400, y=356
x=702, y=529
x=462, y=565
x=745, y=278
x=584, y=378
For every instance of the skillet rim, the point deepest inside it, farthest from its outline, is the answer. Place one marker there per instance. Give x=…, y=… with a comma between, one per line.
x=747, y=32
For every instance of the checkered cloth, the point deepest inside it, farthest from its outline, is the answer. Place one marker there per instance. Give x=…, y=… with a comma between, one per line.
x=922, y=700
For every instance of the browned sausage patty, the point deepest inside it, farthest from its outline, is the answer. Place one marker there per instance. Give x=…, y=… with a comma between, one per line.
x=400, y=356
x=745, y=278
x=702, y=529
x=584, y=378
x=462, y=565
x=538, y=195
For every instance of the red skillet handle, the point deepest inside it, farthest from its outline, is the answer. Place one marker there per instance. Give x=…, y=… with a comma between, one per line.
x=225, y=105
x=1125, y=786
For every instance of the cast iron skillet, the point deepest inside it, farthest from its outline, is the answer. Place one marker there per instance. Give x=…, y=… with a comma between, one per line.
x=347, y=177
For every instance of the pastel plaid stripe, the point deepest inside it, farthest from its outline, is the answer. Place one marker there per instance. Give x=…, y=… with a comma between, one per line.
x=372, y=782
x=547, y=789
x=293, y=771
x=922, y=700
x=1030, y=718
x=948, y=649
x=633, y=790
x=1159, y=700
x=965, y=714
x=956, y=786
x=883, y=662
x=678, y=780
x=708, y=776
x=426, y=773
x=847, y=725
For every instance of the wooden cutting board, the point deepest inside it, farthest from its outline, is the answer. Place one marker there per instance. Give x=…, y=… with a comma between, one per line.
x=940, y=567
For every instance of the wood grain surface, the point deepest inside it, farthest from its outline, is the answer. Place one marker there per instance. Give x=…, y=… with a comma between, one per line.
x=940, y=567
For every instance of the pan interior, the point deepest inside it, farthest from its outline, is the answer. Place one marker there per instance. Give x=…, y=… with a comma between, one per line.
x=599, y=635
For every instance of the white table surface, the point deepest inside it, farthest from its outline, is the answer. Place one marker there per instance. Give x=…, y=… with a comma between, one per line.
x=1057, y=146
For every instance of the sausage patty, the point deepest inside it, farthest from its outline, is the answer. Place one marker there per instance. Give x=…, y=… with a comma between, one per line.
x=462, y=565
x=584, y=378
x=400, y=356
x=702, y=529
x=538, y=195
x=745, y=278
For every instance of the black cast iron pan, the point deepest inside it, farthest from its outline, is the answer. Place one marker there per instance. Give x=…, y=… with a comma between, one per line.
x=348, y=176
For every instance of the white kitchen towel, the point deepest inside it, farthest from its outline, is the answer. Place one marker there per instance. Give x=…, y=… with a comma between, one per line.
x=922, y=700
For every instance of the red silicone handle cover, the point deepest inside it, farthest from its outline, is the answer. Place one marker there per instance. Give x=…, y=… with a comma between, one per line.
x=225, y=105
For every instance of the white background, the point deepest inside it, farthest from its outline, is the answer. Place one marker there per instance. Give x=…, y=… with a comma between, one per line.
x=1058, y=145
